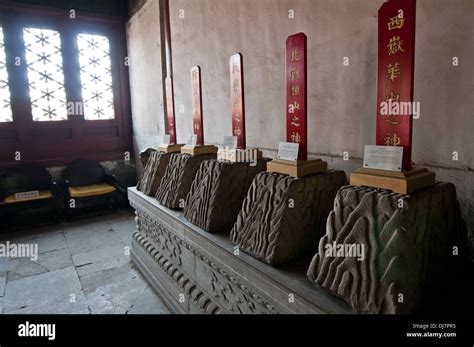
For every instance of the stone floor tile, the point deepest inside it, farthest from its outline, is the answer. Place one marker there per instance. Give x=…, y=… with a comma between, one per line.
x=3, y=282
x=46, y=241
x=45, y=287
x=61, y=305
x=86, y=258
x=148, y=303
x=91, y=240
x=100, y=259
x=47, y=261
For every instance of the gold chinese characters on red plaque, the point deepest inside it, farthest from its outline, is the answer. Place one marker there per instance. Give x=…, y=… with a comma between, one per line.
x=237, y=99
x=296, y=95
x=197, y=105
x=396, y=41
x=170, y=110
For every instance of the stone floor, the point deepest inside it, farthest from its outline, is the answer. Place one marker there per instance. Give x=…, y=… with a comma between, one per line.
x=83, y=267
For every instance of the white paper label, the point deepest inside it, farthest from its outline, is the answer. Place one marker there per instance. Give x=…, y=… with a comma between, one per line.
x=166, y=139
x=288, y=151
x=383, y=157
x=27, y=195
x=192, y=141
x=230, y=142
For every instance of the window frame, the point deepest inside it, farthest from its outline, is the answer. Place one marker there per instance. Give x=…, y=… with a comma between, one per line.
x=8, y=73
x=55, y=143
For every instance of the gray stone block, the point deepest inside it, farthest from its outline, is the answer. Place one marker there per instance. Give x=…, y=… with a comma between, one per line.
x=407, y=247
x=217, y=193
x=283, y=217
x=178, y=178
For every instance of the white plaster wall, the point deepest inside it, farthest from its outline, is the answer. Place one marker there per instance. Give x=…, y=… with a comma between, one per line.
x=341, y=100
x=146, y=89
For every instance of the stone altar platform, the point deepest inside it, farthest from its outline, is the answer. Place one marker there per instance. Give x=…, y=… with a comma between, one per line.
x=284, y=217
x=194, y=271
x=178, y=177
x=217, y=193
x=407, y=243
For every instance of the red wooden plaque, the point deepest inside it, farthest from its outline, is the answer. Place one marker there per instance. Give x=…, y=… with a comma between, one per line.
x=170, y=108
x=237, y=99
x=396, y=56
x=197, y=104
x=296, y=96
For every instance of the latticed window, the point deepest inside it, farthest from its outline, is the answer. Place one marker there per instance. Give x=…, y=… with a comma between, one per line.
x=96, y=76
x=63, y=90
x=5, y=106
x=45, y=74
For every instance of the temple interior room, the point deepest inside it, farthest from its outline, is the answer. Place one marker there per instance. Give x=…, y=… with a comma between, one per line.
x=236, y=157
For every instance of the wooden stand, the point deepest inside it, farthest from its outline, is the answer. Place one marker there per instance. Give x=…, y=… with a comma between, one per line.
x=399, y=182
x=297, y=168
x=199, y=150
x=170, y=148
x=239, y=155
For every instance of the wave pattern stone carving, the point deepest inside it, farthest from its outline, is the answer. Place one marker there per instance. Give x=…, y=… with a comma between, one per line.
x=153, y=173
x=178, y=178
x=408, y=242
x=284, y=217
x=217, y=192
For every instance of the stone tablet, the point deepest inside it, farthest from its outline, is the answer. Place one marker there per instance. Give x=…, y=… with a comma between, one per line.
x=284, y=217
x=384, y=252
x=153, y=173
x=217, y=192
x=178, y=178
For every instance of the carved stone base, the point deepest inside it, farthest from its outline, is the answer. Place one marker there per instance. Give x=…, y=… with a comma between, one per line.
x=199, y=150
x=197, y=272
x=178, y=178
x=170, y=148
x=297, y=168
x=383, y=252
x=153, y=173
x=145, y=155
x=399, y=182
x=283, y=217
x=217, y=192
